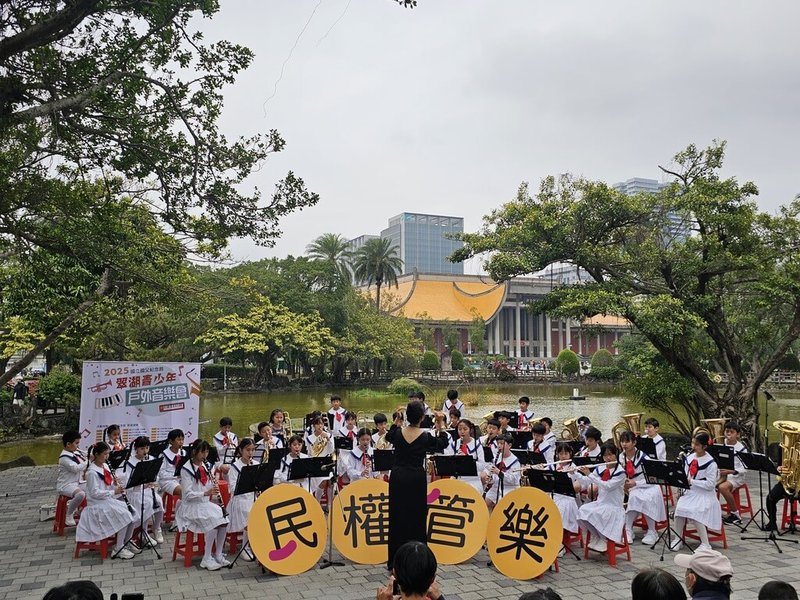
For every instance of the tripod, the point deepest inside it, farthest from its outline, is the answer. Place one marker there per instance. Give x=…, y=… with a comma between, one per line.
x=333, y=489
x=663, y=472
x=145, y=471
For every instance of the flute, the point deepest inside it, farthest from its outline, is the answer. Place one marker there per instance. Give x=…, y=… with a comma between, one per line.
x=216, y=490
x=592, y=466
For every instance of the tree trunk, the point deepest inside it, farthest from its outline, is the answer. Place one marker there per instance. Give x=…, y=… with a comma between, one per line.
x=378, y=295
x=102, y=290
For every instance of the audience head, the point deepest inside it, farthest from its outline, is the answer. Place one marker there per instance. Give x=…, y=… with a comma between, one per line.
x=706, y=570
x=656, y=584
x=75, y=590
x=414, y=568
x=545, y=594
x=777, y=590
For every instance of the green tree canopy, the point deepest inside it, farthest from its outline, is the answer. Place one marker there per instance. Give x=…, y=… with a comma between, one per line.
x=333, y=249
x=376, y=262
x=693, y=267
x=567, y=362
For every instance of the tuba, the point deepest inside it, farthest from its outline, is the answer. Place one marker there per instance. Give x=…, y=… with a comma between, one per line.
x=382, y=444
x=631, y=422
x=570, y=432
x=790, y=466
x=287, y=426
x=484, y=426
x=319, y=445
x=715, y=428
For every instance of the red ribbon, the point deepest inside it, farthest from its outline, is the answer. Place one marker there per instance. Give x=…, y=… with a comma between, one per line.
x=364, y=459
x=693, y=468
x=107, y=475
x=350, y=434
x=338, y=416
x=606, y=475
x=203, y=475
x=502, y=466
x=225, y=440
x=464, y=449
x=629, y=469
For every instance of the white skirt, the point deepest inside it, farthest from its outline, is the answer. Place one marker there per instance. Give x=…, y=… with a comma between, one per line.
x=103, y=519
x=168, y=486
x=607, y=519
x=701, y=506
x=149, y=507
x=239, y=511
x=647, y=499
x=568, y=508
x=474, y=482
x=198, y=517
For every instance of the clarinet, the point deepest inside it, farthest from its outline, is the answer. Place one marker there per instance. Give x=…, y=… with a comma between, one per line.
x=116, y=483
x=216, y=490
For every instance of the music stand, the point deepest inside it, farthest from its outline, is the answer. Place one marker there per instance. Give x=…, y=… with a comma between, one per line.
x=526, y=457
x=552, y=482
x=228, y=455
x=333, y=491
x=116, y=458
x=648, y=446
x=488, y=454
x=761, y=463
x=276, y=455
x=513, y=421
x=253, y=479
x=383, y=460
x=521, y=439
x=577, y=445
x=586, y=461
x=723, y=455
x=156, y=448
x=302, y=468
x=343, y=443
x=454, y=466
x=145, y=471
x=669, y=473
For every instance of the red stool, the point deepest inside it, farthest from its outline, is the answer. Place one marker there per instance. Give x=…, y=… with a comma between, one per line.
x=170, y=504
x=60, y=520
x=193, y=544
x=690, y=533
x=612, y=548
x=742, y=509
x=641, y=522
x=233, y=539
x=569, y=538
x=100, y=546
x=789, y=507
x=666, y=492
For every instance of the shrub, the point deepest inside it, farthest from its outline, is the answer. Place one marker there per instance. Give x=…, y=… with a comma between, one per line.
x=602, y=358
x=458, y=361
x=403, y=386
x=60, y=386
x=504, y=373
x=567, y=362
x=429, y=361
x=606, y=372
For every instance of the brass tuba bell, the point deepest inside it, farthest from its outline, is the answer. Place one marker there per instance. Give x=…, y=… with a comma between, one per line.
x=715, y=428
x=571, y=430
x=790, y=465
x=631, y=422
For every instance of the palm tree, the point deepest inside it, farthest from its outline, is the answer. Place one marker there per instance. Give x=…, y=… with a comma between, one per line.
x=334, y=249
x=377, y=262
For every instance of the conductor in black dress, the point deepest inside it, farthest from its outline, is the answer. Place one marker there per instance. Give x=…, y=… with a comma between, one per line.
x=408, y=496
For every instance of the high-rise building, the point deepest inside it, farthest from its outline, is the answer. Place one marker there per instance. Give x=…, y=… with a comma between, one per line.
x=356, y=243
x=423, y=242
x=638, y=185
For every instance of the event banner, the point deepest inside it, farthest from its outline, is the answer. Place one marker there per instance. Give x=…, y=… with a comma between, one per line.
x=142, y=398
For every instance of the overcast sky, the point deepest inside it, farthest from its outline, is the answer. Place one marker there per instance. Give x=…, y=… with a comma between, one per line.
x=446, y=108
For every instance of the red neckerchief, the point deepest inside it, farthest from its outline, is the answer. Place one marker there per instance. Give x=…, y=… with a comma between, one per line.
x=225, y=440
x=338, y=416
x=694, y=466
x=364, y=459
x=350, y=434
x=502, y=466
x=606, y=475
x=630, y=470
x=107, y=475
x=203, y=474
x=464, y=449
x=521, y=420
x=536, y=447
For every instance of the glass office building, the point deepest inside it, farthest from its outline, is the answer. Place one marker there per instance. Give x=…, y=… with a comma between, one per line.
x=423, y=242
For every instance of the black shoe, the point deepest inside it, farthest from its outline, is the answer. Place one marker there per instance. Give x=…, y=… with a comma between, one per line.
x=769, y=526
x=732, y=519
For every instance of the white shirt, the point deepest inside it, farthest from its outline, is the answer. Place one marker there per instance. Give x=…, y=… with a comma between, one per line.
x=336, y=424
x=71, y=467
x=458, y=405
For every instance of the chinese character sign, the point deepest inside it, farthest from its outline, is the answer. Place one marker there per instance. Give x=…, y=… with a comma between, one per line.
x=142, y=398
x=525, y=533
x=457, y=521
x=287, y=530
x=361, y=521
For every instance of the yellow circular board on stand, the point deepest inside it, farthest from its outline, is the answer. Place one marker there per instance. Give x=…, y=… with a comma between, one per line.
x=360, y=521
x=287, y=529
x=457, y=520
x=525, y=533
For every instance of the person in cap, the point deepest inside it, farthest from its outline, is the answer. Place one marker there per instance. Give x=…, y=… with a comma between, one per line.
x=708, y=574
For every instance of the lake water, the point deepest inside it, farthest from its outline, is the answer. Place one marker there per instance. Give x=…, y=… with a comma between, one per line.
x=603, y=405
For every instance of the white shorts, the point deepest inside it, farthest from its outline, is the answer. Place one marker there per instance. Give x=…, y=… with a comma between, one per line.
x=736, y=480
x=70, y=489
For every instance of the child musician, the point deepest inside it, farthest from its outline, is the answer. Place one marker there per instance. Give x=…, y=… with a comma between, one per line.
x=225, y=438
x=490, y=439
x=504, y=417
x=240, y=504
x=144, y=501
x=319, y=443
x=349, y=430
x=168, y=479
x=605, y=517
x=643, y=498
x=105, y=515
x=453, y=402
x=549, y=436
x=699, y=503
x=276, y=420
x=502, y=476
x=357, y=463
x=196, y=512
x=651, y=426
x=282, y=474
x=268, y=440
x=466, y=445
x=539, y=445
x=71, y=468
x=336, y=415
x=734, y=479
x=524, y=414
x=113, y=437
x=454, y=417
x=593, y=439
x=381, y=423
x=567, y=505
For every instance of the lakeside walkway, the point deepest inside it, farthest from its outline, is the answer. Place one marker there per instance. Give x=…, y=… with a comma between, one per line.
x=34, y=559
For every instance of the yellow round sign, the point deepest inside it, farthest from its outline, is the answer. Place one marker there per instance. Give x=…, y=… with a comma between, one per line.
x=525, y=533
x=360, y=522
x=287, y=529
x=457, y=520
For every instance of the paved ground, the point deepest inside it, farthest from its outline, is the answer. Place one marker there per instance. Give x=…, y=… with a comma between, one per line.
x=33, y=559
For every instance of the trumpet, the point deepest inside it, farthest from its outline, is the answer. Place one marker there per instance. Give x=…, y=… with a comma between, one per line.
x=217, y=491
